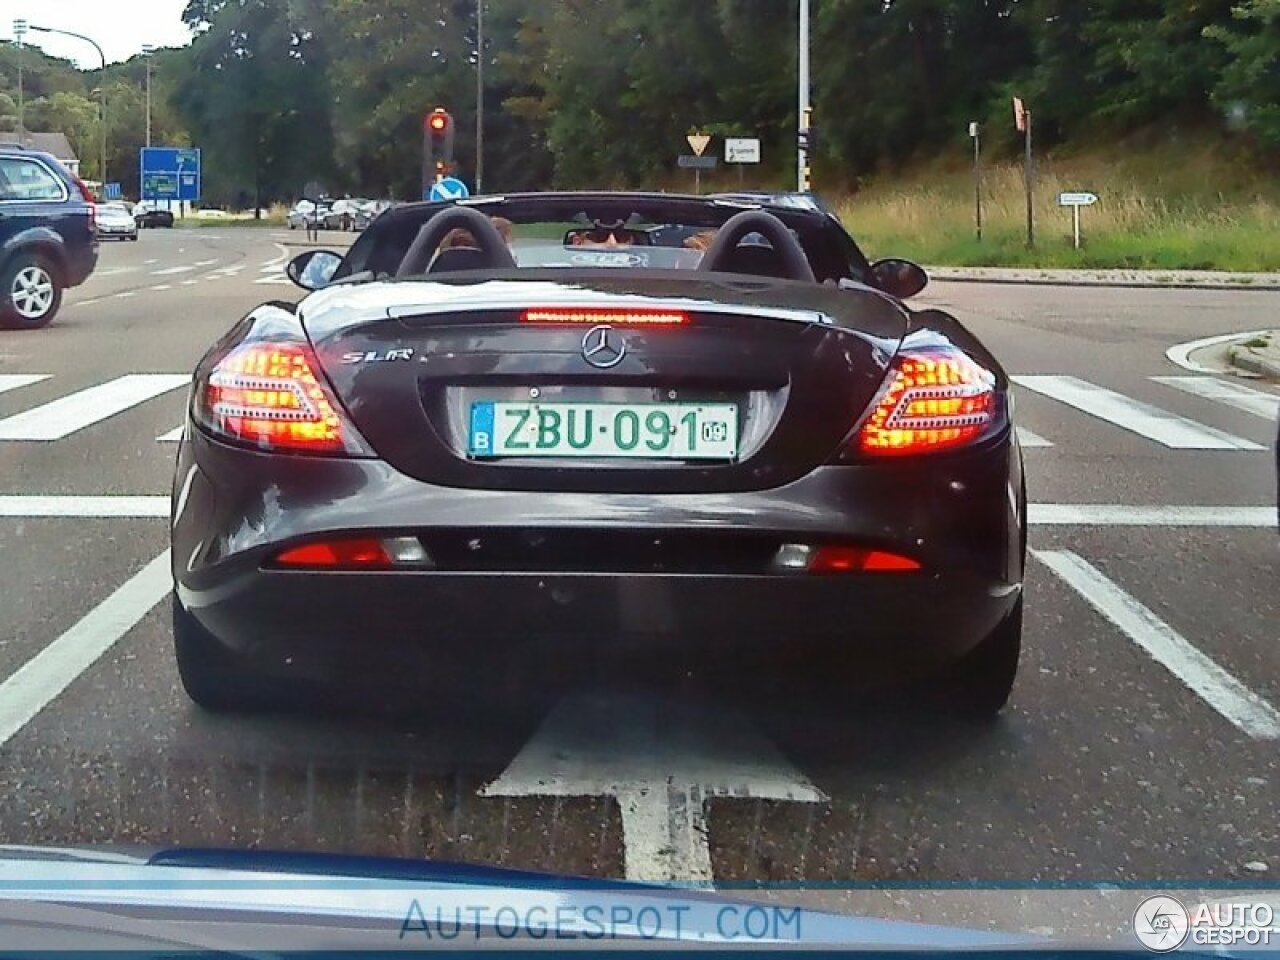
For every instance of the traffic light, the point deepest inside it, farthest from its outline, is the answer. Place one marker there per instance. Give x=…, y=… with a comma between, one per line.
x=439, y=137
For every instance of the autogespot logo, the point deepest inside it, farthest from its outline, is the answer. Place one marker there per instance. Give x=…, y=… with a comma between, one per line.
x=1161, y=923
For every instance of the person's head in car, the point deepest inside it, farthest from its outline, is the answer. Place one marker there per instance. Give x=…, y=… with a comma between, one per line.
x=461, y=237
x=700, y=241
x=604, y=238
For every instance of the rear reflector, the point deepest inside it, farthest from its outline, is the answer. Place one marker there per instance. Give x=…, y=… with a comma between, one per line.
x=356, y=553
x=836, y=559
x=637, y=317
x=938, y=399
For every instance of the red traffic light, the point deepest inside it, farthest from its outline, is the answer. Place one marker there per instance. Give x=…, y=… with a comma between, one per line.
x=438, y=121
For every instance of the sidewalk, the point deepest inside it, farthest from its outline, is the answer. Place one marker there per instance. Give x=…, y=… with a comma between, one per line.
x=1172, y=279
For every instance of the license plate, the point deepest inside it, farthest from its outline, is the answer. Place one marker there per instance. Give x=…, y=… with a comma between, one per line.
x=662, y=431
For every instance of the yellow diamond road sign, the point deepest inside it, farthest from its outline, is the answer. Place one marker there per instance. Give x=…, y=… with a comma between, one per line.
x=698, y=142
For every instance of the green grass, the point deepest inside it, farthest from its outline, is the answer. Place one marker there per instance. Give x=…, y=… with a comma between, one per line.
x=1162, y=209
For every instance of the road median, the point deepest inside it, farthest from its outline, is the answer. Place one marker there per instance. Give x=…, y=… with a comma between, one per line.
x=1146, y=279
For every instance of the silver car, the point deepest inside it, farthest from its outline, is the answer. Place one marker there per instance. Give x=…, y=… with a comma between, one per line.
x=115, y=221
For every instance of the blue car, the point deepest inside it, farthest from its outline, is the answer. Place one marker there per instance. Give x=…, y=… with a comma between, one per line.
x=48, y=236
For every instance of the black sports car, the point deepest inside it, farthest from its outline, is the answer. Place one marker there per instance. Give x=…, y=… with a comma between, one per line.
x=460, y=457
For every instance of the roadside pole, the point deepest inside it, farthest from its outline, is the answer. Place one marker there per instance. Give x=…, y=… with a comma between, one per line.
x=1029, y=177
x=1022, y=122
x=805, y=113
x=975, y=133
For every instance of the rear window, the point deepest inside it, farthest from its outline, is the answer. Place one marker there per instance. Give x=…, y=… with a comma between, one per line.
x=28, y=179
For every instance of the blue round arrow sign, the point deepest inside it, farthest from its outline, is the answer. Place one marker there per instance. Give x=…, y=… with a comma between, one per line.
x=450, y=188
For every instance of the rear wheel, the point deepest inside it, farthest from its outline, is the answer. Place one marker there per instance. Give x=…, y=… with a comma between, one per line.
x=979, y=685
x=210, y=675
x=32, y=291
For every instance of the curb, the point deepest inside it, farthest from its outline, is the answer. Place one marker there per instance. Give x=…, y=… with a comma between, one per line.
x=1247, y=360
x=1215, y=285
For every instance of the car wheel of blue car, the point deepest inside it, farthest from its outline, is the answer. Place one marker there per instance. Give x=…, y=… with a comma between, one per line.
x=31, y=290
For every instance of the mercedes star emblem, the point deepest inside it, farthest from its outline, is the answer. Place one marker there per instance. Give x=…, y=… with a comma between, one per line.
x=603, y=348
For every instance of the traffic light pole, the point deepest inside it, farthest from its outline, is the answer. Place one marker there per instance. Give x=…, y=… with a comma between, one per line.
x=805, y=112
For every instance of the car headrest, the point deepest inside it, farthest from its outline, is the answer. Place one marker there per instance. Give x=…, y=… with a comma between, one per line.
x=791, y=263
x=418, y=257
x=755, y=260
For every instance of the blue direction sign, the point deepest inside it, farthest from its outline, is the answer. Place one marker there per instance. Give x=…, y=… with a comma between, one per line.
x=113, y=191
x=170, y=173
x=450, y=188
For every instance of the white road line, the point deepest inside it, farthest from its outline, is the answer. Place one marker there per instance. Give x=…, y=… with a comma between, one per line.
x=147, y=263
x=662, y=762
x=1200, y=674
x=280, y=279
x=1180, y=353
x=230, y=271
x=14, y=381
x=173, y=436
x=113, y=271
x=1258, y=402
x=1119, y=515
x=85, y=303
x=124, y=294
x=206, y=263
x=1141, y=418
x=169, y=271
x=66, y=415
x=161, y=286
x=37, y=682
x=71, y=507
x=1029, y=438
x=189, y=283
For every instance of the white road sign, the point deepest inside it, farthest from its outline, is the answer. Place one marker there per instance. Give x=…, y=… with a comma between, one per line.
x=1077, y=199
x=698, y=142
x=742, y=150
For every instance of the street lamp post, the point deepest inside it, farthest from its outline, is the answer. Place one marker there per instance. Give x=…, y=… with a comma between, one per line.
x=102, y=94
x=147, y=51
x=479, y=96
x=805, y=114
x=20, y=31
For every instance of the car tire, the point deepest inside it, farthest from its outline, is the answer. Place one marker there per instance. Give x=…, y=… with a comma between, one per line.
x=30, y=292
x=210, y=676
x=978, y=687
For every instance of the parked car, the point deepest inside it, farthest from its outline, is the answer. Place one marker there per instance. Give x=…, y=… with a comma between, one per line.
x=48, y=236
x=115, y=220
x=306, y=214
x=146, y=215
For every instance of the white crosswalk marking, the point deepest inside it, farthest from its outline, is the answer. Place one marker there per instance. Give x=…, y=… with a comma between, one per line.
x=1257, y=402
x=12, y=381
x=64, y=416
x=278, y=279
x=1029, y=438
x=169, y=271
x=1218, y=688
x=173, y=436
x=1146, y=420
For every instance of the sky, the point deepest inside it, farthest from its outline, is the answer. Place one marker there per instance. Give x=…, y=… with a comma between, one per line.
x=120, y=27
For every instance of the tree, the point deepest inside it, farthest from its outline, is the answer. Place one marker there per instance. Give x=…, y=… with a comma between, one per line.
x=1248, y=90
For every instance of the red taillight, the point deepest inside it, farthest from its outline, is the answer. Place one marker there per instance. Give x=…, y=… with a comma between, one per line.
x=831, y=559
x=87, y=195
x=635, y=317
x=269, y=395
x=937, y=399
x=363, y=553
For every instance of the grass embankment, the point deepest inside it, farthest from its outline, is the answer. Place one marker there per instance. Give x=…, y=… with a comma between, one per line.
x=1167, y=209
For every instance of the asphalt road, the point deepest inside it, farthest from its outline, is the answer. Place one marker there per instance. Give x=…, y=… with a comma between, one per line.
x=1141, y=742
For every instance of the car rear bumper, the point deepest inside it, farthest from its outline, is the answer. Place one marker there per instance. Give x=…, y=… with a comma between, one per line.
x=236, y=509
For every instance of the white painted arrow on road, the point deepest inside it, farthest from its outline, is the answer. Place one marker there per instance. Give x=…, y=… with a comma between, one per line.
x=661, y=761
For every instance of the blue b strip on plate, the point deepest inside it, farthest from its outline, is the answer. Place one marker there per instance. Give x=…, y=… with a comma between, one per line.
x=480, y=443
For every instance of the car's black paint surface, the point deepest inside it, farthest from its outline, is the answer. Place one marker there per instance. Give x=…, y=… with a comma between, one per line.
x=577, y=566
